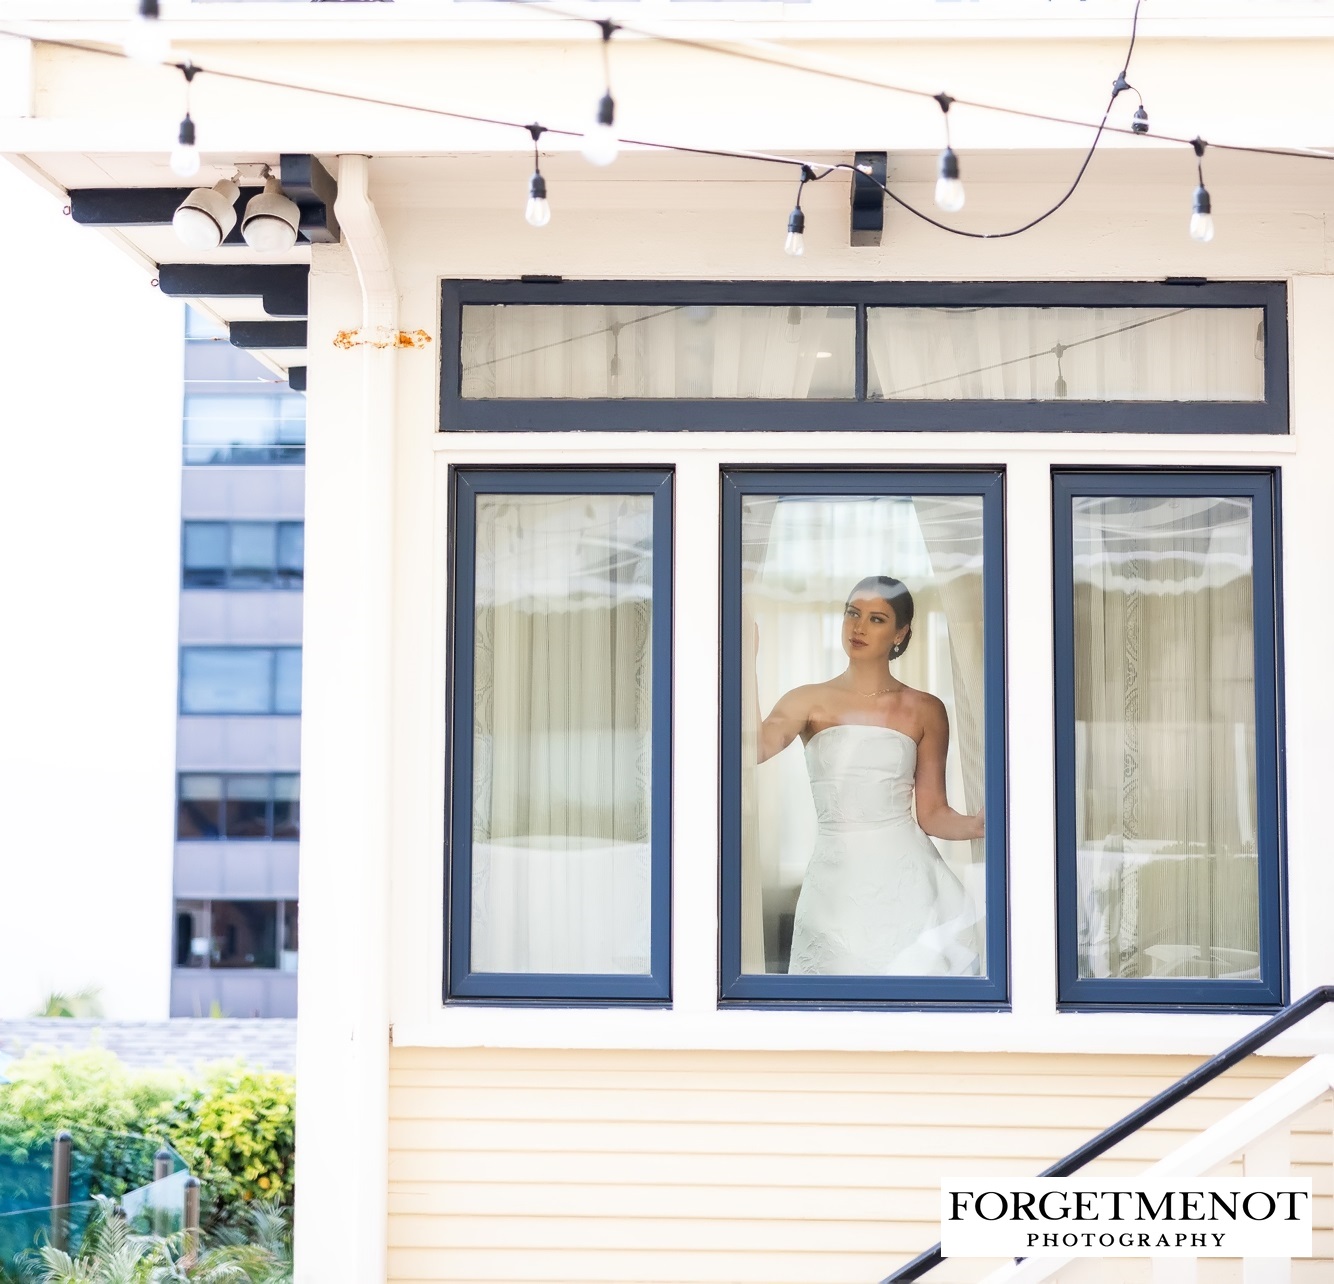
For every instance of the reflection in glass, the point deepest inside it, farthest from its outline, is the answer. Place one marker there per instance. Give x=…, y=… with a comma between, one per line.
x=287, y=680
x=1165, y=770
x=247, y=810
x=1083, y=354
x=287, y=806
x=226, y=679
x=205, y=555
x=199, y=807
x=696, y=352
x=837, y=876
x=561, y=748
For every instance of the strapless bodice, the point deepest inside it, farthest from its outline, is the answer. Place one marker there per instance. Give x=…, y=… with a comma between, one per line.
x=861, y=775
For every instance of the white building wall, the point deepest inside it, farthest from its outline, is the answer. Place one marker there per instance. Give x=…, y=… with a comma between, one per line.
x=89, y=521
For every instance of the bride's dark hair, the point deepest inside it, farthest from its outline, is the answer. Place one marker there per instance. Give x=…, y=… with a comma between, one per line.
x=895, y=592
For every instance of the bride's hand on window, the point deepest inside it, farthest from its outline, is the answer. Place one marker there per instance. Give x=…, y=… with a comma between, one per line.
x=980, y=822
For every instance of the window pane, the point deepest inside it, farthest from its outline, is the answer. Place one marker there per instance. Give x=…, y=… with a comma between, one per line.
x=199, y=807
x=862, y=627
x=287, y=688
x=247, y=810
x=291, y=553
x=226, y=680
x=561, y=744
x=599, y=350
x=1165, y=737
x=254, y=553
x=244, y=934
x=1083, y=354
x=193, y=943
x=205, y=555
x=236, y=429
x=290, y=937
x=287, y=806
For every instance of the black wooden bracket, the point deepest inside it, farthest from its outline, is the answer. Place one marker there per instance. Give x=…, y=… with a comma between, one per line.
x=296, y=378
x=868, y=198
x=267, y=334
x=313, y=188
x=283, y=288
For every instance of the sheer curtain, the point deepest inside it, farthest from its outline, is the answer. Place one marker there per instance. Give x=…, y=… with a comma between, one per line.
x=1165, y=737
x=562, y=705
x=1041, y=354
x=801, y=557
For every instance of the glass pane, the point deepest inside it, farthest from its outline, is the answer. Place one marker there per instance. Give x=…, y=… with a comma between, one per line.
x=862, y=851
x=597, y=350
x=291, y=553
x=287, y=806
x=287, y=961
x=226, y=680
x=199, y=807
x=247, y=811
x=205, y=555
x=561, y=765
x=287, y=689
x=254, y=553
x=254, y=428
x=1083, y=354
x=1165, y=784
x=193, y=943
x=244, y=933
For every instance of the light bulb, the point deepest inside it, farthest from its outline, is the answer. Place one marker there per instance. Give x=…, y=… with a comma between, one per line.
x=1202, y=217
x=185, y=155
x=1139, y=122
x=207, y=215
x=600, y=145
x=146, y=40
x=795, y=244
x=949, y=190
x=537, y=211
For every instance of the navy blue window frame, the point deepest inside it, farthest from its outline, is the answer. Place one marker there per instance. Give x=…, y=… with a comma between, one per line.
x=780, y=990
x=461, y=983
x=860, y=412
x=1204, y=995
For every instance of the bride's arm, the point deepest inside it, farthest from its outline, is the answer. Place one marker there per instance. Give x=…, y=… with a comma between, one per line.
x=934, y=814
x=783, y=725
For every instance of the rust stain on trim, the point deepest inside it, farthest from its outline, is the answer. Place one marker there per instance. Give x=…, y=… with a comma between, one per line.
x=397, y=339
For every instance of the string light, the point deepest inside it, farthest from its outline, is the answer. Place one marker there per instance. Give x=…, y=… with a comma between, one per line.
x=795, y=244
x=600, y=144
x=537, y=211
x=146, y=41
x=1202, y=211
x=1061, y=388
x=949, y=189
x=184, y=158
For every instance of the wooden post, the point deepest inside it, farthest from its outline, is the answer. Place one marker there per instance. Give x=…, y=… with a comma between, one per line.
x=161, y=1171
x=190, y=1253
x=60, y=1164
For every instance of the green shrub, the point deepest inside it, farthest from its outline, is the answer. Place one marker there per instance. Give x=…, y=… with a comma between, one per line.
x=235, y=1132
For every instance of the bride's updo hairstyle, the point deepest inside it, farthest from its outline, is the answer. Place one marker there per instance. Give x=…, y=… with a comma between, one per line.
x=895, y=592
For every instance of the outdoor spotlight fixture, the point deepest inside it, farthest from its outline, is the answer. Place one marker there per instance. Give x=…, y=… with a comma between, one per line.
x=203, y=220
x=271, y=220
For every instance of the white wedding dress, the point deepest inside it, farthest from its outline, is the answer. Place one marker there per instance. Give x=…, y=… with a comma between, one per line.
x=878, y=899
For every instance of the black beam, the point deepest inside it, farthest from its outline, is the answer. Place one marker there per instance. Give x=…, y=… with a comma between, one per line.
x=296, y=378
x=313, y=188
x=283, y=287
x=868, y=199
x=267, y=334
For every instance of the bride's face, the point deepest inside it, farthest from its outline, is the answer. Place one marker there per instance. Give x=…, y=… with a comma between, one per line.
x=870, y=630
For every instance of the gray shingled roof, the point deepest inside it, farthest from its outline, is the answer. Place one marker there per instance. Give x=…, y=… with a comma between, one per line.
x=186, y=1042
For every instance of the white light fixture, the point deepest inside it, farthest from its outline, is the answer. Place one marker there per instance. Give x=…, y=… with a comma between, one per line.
x=146, y=41
x=949, y=187
x=1202, y=210
x=537, y=211
x=184, y=159
x=271, y=220
x=203, y=220
x=600, y=145
x=795, y=244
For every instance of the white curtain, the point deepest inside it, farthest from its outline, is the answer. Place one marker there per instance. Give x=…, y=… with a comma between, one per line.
x=1043, y=354
x=1165, y=737
x=561, y=746
x=801, y=557
x=581, y=351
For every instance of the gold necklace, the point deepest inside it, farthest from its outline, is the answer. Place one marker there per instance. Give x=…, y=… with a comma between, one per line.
x=871, y=695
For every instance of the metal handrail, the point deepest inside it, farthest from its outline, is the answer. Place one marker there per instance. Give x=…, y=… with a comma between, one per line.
x=1151, y=1109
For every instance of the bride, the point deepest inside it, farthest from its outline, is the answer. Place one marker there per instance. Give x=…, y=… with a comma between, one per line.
x=877, y=899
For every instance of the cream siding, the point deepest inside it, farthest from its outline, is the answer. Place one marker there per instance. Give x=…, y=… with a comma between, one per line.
x=786, y=1168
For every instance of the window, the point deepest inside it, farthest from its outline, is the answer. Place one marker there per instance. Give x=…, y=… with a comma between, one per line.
x=560, y=833
x=893, y=356
x=1169, y=832
x=236, y=679
x=227, y=428
x=839, y=590
x=236, y=934
x=242, y=555
x=238, y=806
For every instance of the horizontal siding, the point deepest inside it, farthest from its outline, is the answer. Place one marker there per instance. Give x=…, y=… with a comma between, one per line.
x=781, y=1168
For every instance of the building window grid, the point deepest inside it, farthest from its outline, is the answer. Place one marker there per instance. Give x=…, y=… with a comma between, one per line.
x=238, y=806
x=242, y=555
x=196, y=943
